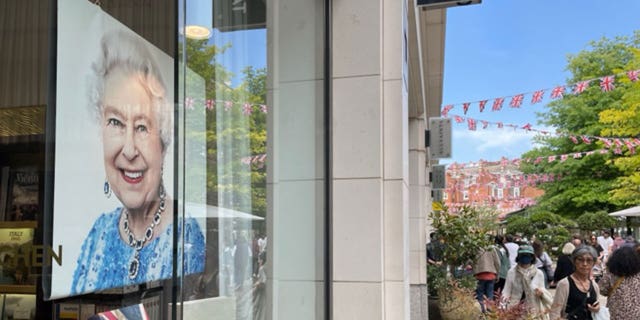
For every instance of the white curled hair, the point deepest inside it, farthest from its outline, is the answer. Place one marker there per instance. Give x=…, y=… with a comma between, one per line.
x=125, y=51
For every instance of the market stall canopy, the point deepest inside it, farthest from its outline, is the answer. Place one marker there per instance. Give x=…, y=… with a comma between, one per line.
x=629, y=212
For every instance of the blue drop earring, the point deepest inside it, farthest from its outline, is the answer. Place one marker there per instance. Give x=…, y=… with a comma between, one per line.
x=107, y=189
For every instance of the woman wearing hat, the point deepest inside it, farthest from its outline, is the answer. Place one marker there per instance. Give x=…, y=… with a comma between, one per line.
x=577, y=295
x=525, y=283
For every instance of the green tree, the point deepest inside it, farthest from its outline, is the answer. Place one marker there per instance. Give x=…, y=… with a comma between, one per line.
x=593, y=221
x=550, y=228
x=623, y=120
x=520, y=225
x=586, y=182
x=465, y=232
x=233, y=132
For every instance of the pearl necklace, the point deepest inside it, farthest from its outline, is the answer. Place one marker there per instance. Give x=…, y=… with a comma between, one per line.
x=138, y=244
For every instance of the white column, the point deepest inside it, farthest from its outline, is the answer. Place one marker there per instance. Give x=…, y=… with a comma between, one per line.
x=296, y=199
x=370, y=162
x=418, y=206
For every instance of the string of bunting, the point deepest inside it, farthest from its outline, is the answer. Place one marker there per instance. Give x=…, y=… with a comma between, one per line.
x=210, y=105
x=606, y=83
x=516, y=180
x=519, y=203
x=472, y=124
x=258, y=158
x=616, y=142
x=630, y=143
x=548, y=159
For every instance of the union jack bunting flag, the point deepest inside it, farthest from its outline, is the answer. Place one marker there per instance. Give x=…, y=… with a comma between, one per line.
x=618, y=142
x=607, y=143
x=472, y=124
x=210, y=104
x=581, y=87
x=606, y=83
x=516, y=101
x=574, y=139
x=446, y=109
x=537, y=96
x=557, y=92
x=188, y=103
x=482, y=104
x=247, y=109
x=465, y=107
x=497, y=104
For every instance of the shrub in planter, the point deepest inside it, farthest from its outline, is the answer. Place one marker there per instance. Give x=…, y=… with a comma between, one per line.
x=458, y=302
x=465, y=235
x=464, y=232
x=436, y=278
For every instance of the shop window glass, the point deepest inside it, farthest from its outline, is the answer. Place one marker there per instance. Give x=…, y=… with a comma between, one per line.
x=257, y=166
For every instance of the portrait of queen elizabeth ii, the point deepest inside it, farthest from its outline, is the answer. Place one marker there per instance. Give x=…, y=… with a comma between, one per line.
x=133, y=243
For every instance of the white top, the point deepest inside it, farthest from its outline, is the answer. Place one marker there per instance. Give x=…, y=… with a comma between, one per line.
x=513, y=252
x=514, y=288
x=605, y=243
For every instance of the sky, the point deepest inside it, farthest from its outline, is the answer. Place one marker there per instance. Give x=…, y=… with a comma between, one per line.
x=502, y=48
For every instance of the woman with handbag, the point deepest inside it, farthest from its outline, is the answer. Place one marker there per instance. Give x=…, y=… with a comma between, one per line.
x=621, y=283
x=543, y=262
x=577, y=295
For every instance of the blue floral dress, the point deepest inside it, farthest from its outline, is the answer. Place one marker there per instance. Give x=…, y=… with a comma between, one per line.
x=105, y=258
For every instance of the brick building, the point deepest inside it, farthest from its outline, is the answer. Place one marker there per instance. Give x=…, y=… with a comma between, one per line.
x=498, y=184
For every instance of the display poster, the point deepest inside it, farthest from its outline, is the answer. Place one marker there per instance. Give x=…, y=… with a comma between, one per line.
x=113, y=169
x=16, y=263
x=22, y=194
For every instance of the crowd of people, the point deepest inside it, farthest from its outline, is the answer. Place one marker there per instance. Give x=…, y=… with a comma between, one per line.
x=517, y=272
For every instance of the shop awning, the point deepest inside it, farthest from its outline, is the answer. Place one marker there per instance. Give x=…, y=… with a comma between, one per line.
x=629, y=212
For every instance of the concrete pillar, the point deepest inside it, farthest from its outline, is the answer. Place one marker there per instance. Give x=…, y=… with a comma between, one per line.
x=296, y=167
x=370, y=162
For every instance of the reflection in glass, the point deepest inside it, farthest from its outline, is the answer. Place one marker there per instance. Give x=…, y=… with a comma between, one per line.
x=231, y=66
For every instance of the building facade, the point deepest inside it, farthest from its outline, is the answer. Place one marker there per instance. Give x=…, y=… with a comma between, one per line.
x=498, y=184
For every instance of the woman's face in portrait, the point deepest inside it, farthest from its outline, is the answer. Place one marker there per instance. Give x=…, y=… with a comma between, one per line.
x=131, y=140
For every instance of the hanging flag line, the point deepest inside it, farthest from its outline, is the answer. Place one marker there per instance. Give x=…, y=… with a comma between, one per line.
x=608, y=142
x=536, y=160
x=520, y=203
x=617, y=143
x=258, y=158
x=607, y=83
x=210, y=104
x=472, y=124
x=518, y=180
